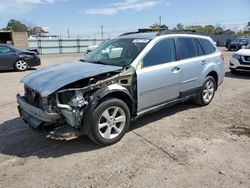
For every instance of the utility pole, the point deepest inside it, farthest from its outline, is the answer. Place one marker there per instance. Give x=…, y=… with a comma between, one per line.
x=160, y=20
x=102, y=31
x=68, y=33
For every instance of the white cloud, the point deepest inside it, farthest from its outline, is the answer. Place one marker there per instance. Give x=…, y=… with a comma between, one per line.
x=21, y=6
x=33, y=1
x=114, y=8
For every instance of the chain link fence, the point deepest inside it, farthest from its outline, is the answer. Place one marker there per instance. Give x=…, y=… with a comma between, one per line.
x=59, y=46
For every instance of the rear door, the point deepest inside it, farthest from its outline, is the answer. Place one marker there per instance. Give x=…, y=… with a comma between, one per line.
x=158, y=75
x=191, y=63
x=7, y=57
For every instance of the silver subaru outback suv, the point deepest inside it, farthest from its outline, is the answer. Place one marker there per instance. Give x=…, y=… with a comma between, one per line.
x=119, y=81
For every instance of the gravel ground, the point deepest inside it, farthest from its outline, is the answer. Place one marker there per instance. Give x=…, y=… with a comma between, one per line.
x=180, y=146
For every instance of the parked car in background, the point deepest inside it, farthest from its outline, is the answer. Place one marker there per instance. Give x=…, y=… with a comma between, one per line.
x=238, y=43
x=120, y=81
x=240, y=60
x=19, y=59
x=228, y=43
x=91, y=48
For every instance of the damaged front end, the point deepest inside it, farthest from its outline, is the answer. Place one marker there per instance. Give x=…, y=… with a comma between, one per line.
x=68, y=109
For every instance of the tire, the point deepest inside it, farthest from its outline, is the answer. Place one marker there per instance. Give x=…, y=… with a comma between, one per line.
x=106, y=127
x=21, y=65
x=206, y=95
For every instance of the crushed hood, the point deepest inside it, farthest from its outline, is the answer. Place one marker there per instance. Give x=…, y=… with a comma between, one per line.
x=49, y=80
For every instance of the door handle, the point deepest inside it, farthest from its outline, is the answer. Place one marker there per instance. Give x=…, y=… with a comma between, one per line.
x=176, y=69
x=204, y=62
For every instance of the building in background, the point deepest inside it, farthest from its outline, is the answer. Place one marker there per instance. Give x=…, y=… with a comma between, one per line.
x=19, y=39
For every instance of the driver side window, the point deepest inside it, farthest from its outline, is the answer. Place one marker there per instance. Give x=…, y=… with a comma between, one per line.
x=162, y=52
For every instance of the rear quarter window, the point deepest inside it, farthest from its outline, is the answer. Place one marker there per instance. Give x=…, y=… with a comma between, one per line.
x=207, y=46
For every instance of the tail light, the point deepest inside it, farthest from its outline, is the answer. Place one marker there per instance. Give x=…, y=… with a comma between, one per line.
x=222, y=56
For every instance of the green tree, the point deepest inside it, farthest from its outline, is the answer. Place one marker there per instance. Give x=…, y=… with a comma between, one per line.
x=179, y=26
x=158, y=27
x=195, y=27
x=16, y=25
x=209, y=29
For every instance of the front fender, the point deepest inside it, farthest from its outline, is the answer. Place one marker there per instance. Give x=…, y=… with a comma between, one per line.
x=95, y=99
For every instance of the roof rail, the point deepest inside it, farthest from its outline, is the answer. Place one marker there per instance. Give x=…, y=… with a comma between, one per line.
x=184, y=31
x=143, y=30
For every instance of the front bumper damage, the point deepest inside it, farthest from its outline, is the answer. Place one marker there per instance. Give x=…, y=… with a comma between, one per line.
x=34, y=116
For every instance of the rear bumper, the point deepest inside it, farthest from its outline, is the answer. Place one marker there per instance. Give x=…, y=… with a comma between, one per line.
x=33, y=115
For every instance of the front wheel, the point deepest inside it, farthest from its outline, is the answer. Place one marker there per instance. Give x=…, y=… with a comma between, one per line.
x=21, y=65
x=205, y=96
x=110, y=121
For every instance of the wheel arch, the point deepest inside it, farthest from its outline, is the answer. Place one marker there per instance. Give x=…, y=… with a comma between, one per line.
x=113, y=90
x=214, y=74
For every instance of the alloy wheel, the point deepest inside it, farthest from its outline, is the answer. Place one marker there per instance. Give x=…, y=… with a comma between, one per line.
x=112, y=122
x=21, y=65
x=208, y=91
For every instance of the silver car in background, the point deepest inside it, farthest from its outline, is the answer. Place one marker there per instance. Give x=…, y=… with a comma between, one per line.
x=240, y=60
x=119, y=81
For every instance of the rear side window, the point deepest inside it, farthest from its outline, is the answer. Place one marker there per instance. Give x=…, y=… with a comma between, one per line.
x=208, y=48
x=188, y=48
x=162, y=52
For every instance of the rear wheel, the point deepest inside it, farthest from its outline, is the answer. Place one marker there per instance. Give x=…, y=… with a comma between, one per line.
x=21, y=65
x=204, y=97
x=110, y=121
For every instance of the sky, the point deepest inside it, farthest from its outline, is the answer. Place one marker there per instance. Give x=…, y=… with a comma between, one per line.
x=84, y=17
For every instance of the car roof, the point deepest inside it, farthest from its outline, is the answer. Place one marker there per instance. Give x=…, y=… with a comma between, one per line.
x=155, y=35
x=140, y=35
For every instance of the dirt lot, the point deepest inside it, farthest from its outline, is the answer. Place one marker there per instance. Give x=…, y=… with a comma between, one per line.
x=181, y=146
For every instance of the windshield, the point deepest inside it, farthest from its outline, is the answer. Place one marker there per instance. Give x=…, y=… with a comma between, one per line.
x=121, y=51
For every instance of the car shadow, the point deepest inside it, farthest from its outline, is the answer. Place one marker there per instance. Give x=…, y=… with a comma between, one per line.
x=17, y=139
x=238, y=75
x=15, y=71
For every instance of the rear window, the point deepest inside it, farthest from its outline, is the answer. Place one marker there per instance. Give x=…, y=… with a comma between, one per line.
x=188, y=48
x=208, y=48
x=4, y=49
